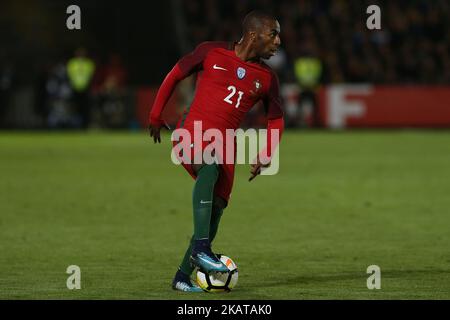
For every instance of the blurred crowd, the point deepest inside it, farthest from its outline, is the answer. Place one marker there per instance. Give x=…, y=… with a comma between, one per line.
x=328, y=42
x=323, y=42
x=81, y=92
x=77, y=92
x=412, y=46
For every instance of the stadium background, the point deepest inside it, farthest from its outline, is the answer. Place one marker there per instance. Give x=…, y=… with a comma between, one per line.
x=82, y=184
x=326, y=46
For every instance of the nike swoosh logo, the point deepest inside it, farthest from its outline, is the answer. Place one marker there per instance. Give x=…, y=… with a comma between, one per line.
x=218, y=265
x=202, y=202
x=219, y=68
x=182, y=286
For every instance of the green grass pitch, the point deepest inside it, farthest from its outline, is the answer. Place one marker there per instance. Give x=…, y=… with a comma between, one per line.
x=115, y=205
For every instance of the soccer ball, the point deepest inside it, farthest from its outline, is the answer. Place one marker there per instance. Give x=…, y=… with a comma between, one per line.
x=219, y=282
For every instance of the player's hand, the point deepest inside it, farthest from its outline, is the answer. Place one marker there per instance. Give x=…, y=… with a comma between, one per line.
x=155, y=130
x=255, y=169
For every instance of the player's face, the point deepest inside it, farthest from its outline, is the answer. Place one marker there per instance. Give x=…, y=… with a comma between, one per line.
x=269, y=39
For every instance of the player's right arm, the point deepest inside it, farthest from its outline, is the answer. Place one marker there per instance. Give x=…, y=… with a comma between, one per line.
x=275, y=124
x=186, y=66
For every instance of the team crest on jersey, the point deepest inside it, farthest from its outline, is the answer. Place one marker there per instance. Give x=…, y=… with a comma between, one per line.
x=257, y=84
x=240, y=73
x=256, y=89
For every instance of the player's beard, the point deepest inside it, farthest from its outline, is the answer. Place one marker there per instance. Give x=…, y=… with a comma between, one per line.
x=268, y=55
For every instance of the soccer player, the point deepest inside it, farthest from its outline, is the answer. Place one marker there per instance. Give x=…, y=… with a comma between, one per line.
x=231, y=79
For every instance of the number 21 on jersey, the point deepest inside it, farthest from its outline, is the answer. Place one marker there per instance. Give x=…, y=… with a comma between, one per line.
x=232, y=93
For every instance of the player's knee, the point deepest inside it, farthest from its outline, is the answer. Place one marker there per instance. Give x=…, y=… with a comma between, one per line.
x=219, y=203
x=209, y=169
x=196, y=168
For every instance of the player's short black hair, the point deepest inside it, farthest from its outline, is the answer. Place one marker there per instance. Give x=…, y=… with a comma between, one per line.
x=254, y=20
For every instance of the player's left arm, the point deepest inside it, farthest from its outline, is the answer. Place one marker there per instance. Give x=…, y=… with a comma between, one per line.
x=275, y=126
x=166, y=89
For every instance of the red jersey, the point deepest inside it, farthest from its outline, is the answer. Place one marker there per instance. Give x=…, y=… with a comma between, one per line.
x=227, y=87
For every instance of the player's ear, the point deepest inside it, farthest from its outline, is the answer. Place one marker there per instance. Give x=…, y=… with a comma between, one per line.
x=252, y=36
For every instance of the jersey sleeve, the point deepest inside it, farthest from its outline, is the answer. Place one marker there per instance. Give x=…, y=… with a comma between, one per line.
x=193, y=62
x=187, y=65
x=272, y=101
x=275, y=121
x=163, y=95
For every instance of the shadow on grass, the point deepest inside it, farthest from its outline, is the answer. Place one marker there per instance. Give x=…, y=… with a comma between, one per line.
x=289, y=280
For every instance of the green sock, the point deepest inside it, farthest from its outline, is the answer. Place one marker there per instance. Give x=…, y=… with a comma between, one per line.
x=203, y=198
x=214, y=225
x=185, y=265
x=215, y=219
